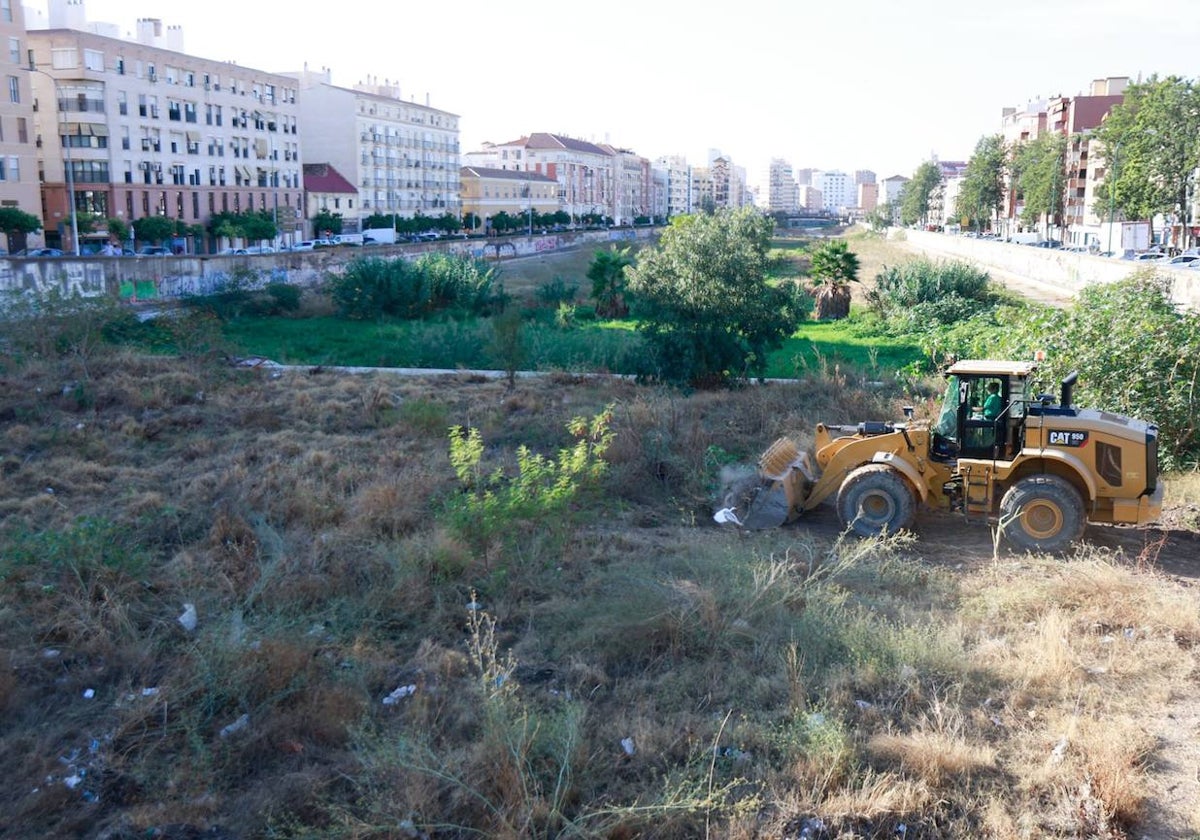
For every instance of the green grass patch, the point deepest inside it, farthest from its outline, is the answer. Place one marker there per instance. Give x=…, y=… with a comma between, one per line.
x=444, y=343
x=818, y=346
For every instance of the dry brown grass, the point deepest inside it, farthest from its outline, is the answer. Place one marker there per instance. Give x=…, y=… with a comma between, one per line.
x=305, y=517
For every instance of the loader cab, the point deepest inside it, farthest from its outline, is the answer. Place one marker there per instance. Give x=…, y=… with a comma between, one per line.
x=983, y=412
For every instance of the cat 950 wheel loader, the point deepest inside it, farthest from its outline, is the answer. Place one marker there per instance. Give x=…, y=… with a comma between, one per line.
x=996, y=452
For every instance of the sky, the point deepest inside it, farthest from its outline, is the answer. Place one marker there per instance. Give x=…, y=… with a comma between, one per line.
x=872, y=84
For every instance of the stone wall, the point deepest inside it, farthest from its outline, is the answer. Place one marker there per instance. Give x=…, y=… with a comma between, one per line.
x=1070, y=271
x=167, y=278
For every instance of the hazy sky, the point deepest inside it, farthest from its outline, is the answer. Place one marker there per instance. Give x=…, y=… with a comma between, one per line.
x=845, y=84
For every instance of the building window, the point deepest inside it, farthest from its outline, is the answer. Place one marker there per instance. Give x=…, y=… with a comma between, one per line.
x=93, y=60
x=64, y=58
x=14, y=50
x=22, y=131
x=6, y=10
x=14, y=89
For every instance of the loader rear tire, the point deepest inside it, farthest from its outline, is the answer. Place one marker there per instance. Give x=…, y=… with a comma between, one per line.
x=1042, y=513
x=875, y=498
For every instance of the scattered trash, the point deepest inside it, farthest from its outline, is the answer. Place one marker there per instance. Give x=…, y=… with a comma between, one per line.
x=726, y=516
x=1060, y=750
x=51, y=653
x=812, y=827
x=862, y=704
x=188, y=620
x=815, y=719
x=49, y=491
x=901, y=830
x=237, y=726
x=740, y=756
x=399, y=694
x=79, y=427
x=150, y=692
x=89, y=693
x=1097, y=671
x=1129, y=632
x=995, y=721
x=474, y=606
x=1107, y=640
x=75, y=779
x=628, y=746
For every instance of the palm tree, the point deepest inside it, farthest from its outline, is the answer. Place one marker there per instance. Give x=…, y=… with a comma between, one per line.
x=607, y=273
x=834, y=268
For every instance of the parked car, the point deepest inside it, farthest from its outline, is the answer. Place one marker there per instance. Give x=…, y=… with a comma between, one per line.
x=229, y=252
x=38, y=252
x=1181, y=261
x=153, y=251
x=306, y=245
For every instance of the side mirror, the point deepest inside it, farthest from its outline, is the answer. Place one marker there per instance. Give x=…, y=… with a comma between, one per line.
x=908, y=411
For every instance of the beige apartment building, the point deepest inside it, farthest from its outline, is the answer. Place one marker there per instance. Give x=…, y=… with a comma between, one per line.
x=487, y=192
x=151, y=131
x=679, y=183
x=18, y=153
x=401, y=155
x=592, y=178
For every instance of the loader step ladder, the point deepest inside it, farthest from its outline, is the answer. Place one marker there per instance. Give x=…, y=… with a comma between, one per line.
x=977, y=490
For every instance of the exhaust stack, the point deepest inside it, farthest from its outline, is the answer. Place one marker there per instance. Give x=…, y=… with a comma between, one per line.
x=1068, y=385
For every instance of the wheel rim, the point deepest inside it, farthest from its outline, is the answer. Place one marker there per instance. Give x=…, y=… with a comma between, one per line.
x=1043, y=519
x=877, y=508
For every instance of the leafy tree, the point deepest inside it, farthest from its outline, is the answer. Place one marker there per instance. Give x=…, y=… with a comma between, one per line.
x=880, y=217
x=326, y=221
x=258, y=225
x=1155, y=137
x=117, y=229
x=154, y=228
x=834, y=267
x=609, y=282
x=1038, y=173
x=703, y=302
x=914, y=202
x=16, y=224
x=471, y=221
x=982, y=190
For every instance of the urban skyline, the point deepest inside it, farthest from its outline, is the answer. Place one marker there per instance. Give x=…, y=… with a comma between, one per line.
x=895, y=84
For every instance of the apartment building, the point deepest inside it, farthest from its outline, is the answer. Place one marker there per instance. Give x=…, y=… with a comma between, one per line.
x=679, y=183
x=633, y=186
x=781, y=194
x=1086, y=167
x=403, y=156
x=587, y=173
x=838, y=190
x=327, y=190
x=868, y=197
x=151, y=131
x=19, y=185
x=487, y=192
x=890, y=190
x=810, y=198
x=864, y=176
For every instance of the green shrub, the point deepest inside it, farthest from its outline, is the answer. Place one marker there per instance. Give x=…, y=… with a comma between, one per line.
x=556, y=292
x=911, y=296
x=373, y=287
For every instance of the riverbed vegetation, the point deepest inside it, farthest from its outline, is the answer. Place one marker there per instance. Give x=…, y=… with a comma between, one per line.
x=240, y=601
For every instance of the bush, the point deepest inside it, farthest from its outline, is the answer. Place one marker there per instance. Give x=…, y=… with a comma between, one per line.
x=924, y=292
x=372, y=287
x=556, y=292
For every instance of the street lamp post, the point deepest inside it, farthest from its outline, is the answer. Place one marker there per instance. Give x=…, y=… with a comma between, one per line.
x=67, y=162
x=1112, y=190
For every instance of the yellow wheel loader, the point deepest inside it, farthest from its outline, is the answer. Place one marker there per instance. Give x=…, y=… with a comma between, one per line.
x=996, y=452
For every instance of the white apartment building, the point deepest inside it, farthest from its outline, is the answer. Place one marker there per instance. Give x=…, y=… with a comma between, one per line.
x=679, y=184
x=781, y=191
x=890, y=190
x=838, y=191
x=19, y=185
x=150, y=131
x=402, y=156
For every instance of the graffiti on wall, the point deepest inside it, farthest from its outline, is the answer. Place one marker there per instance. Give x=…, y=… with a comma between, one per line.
x=41, y=276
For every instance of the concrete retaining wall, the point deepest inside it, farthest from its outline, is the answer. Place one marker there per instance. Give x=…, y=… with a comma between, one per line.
x=1068, y=271
x=167, y=278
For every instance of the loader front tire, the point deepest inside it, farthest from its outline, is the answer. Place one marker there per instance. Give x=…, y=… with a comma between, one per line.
x=1042, y=513
x=875, y=498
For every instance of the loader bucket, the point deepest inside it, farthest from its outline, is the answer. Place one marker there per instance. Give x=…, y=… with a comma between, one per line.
x=767, y=499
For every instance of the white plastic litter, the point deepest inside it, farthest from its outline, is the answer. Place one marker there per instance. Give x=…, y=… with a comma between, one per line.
x=399, y=694
x=628, y=746
x=726, y=516
x=237, y=726
x=89, y=693
x=188, y=620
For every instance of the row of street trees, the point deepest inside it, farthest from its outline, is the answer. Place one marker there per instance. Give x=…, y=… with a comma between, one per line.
x=1151, y=152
